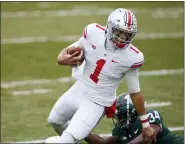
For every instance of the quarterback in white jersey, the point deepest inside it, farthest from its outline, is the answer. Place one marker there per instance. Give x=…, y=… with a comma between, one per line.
x=109, y=57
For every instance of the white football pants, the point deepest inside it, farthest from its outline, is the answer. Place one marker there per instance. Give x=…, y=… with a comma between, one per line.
x=75, y=106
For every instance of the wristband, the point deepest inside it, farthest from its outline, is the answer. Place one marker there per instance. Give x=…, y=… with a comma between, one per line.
x=144, y=121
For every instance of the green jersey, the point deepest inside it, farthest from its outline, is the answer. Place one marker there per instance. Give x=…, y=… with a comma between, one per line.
x=163, y=137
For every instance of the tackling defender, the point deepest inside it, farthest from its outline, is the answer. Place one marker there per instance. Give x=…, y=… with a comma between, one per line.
x=128, y=127
x=109, y=57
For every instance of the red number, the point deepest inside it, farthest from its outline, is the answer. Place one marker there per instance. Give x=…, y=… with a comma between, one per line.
x=100, y=63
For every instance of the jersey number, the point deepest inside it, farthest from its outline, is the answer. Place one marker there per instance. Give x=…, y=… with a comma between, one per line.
x=153, y=116
x=99, y=65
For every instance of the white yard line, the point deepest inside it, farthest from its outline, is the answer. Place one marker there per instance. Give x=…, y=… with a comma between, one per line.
x=69, y=79
x=157, y=104
x=176, y=128
x=35, y=82
x=70, y=38
x=29, y=92
x=156, y=13
x=102, y=135
x=161, y=72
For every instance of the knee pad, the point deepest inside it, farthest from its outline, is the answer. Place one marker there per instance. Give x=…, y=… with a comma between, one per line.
x=67, y=138
x=59, y=128
x=76, y=135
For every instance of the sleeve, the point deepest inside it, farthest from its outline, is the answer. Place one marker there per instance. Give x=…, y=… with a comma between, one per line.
x=78, y=71
x=132, y=80
x=86, y=35
x=88, y=30
x=139, y=61
x=85, y=32
x=78, y=43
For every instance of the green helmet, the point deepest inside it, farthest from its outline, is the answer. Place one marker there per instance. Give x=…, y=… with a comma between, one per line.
x=125, y=114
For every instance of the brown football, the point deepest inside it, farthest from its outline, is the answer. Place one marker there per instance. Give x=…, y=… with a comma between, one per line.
x=73, y=50
x=79, y=50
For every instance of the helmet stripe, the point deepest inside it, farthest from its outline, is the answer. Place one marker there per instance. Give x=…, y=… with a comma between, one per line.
x=129, y=20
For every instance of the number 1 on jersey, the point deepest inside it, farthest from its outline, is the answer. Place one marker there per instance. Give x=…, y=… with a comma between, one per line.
x=99, y=65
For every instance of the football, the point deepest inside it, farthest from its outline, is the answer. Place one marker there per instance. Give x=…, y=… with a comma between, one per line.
x=79, y=50
x=73, y=50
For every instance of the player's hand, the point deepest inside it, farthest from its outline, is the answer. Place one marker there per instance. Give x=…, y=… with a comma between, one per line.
x=148, y=133
x=76, y=60
x=73, y=58
x=70, y=59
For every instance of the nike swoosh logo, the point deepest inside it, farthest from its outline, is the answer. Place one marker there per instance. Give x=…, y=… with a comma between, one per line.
x=114, y=61
x=136, y=131
x=93, y=46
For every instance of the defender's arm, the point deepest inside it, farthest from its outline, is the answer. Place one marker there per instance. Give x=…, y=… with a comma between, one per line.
x=140, y=140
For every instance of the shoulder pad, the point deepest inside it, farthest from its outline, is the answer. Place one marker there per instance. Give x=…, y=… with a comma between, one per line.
x=92, y=29
x=138, y=58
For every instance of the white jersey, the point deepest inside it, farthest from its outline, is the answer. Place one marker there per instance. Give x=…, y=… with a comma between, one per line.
x=103, y=70
x=78, y=71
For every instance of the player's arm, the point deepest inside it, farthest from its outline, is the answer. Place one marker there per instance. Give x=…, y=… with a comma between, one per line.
x=96, y=139
x=64, y=58
x=140, y=140
x=132, y=79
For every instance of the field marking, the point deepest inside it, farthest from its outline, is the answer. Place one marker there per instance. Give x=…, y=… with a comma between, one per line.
x=69, y=79
x=28, y=92
x=34, y=82
x=102, y=135
x=157, y=104
x=155, y=13
x=161, y=72
x=70, y=38
x=176, y=128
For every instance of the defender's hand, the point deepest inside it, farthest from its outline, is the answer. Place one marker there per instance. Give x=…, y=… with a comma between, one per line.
x=148, y=133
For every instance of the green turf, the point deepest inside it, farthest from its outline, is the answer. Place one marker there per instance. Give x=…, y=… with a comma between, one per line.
x=55, y=26
x=25, y=117
x=28, y=6
x=38, y=60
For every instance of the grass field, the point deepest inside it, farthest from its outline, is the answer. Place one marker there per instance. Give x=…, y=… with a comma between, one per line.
x=24, y=116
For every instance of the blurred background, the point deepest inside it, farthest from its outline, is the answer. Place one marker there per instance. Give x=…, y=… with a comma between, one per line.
x=32, y=35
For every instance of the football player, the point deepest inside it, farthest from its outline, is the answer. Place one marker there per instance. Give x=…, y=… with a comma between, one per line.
x=109, y=57
x=128, y=127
